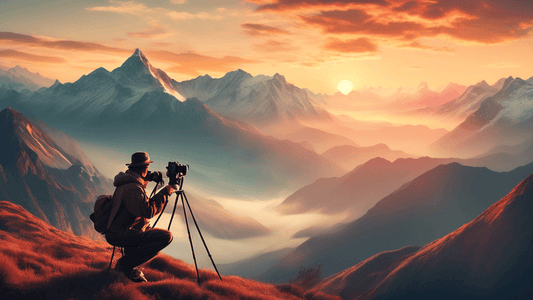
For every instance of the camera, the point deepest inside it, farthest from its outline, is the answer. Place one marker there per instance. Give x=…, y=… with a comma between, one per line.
x=175, y=170
x=154, y=176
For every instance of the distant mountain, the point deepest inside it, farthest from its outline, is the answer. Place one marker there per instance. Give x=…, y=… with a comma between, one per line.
x=423, y=97
x=488, y=258
x=427, y=208
x=350, y=157
x=133, y=108
x=18, y=78
x=320, y=140
x=260, y=100
x=469, y=101
x=45, y=171
x=359, y=190
x=502, y=119
x=253, y=266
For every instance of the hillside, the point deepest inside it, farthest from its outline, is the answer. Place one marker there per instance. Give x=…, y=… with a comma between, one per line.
x=41, y=262
x=488, y=258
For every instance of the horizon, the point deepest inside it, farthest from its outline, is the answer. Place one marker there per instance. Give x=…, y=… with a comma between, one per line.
x=371, y=44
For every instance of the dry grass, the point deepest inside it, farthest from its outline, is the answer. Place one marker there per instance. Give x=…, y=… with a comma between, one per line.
x=41, y=262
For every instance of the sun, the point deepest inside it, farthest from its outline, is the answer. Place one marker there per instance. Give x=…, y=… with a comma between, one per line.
x=345, y=86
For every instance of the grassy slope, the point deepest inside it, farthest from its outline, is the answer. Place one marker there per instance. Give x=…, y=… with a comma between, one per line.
x=41, y=262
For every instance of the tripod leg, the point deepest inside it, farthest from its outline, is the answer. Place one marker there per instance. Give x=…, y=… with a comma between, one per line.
x=157, y=220
x=173, y=211
x=190, y=239
x=198, y=228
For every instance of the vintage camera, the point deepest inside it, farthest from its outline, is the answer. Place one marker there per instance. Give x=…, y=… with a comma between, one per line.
x=175, y=170
x=154, y=176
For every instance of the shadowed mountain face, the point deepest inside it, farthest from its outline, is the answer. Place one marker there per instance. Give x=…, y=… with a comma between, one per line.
x=42, y=262
x=133, y=109
x=358, y=190
x=488, y=258
x=423, y=210
x=44, y=170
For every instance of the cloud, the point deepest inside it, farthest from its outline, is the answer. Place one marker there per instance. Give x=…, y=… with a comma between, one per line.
x=360, y=45
x=221, y=223
x=487, y=21
x=35, y=42
x=123, y=7
x=274, y=46
x=9, y=53
x=155, y=31
x=259, y=29
x=178, y=1
x=190, y=63
x=418, y=45
x=188, y=16
x=289, y=5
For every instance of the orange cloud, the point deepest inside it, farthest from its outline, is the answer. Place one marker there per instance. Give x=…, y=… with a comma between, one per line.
x=152, y=32
x=259, y=29
x=360, y=45
x=482, y=21
x=31, y=41
x=192, y=63
x=9, y=53
x=274, y=46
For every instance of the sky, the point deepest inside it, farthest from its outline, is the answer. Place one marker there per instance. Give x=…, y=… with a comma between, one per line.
x=315, y=44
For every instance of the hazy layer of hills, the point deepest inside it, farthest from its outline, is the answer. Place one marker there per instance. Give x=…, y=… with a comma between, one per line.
x=18, y=78
x=487, y=258
x=422, y=210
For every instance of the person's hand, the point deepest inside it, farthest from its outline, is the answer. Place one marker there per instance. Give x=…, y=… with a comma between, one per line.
x=171, y=188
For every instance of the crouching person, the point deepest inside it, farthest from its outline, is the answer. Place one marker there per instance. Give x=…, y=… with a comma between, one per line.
x=130, y=228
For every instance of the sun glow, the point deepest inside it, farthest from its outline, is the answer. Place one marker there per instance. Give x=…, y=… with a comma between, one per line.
x=345, y=86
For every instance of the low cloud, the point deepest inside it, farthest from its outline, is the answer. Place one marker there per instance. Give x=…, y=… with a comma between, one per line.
x=192, y=63
x=11, y=38
x=360, y=45
x=10, y=53
x=155, y=31
x=260, y=29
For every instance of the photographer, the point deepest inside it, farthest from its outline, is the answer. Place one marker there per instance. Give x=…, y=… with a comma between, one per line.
x=130, y=228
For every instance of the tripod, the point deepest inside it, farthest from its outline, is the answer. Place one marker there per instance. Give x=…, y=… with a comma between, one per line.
x=181, y=194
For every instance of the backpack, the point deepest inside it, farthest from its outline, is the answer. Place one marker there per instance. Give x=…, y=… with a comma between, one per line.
x=102, y=212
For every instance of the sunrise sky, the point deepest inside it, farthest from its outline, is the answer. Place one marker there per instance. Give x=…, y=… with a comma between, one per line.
x=315, y=44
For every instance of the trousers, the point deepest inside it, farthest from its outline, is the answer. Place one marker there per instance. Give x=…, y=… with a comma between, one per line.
x=140, y=247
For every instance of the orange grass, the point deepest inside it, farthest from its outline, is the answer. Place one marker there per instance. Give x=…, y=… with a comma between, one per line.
x=41, y=262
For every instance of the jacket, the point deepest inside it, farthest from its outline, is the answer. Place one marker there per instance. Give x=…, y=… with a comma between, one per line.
x=131, y=206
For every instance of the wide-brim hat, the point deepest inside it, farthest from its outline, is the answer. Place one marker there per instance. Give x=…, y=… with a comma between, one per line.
x=139, y=159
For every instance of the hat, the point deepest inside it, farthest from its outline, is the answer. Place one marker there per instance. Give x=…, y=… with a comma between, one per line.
x=139, y=159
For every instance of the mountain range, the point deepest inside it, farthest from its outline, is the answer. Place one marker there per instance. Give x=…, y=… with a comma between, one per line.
x=422, y=210
x=135, y=108
x=259, y=100
x=45, y=171
x=19, y=78
x=502, y=119
x=487, y=258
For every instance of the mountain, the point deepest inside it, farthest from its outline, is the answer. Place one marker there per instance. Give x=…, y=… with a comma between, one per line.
x=358, y=190
x=45, y=171
x=469, y=101
x=42, y=262
x=319, y=139
x=423, y=97
x=251, y=267
x=18, y=78
x=502, y=119
x=487, y=258
x=260, y=100
x=133, y=109
x=427, y=208
x=349, y=156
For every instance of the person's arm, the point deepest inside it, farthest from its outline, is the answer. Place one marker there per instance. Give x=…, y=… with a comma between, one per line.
x=139, y=205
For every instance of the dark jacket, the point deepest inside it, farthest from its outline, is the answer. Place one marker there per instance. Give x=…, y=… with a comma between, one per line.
x=132, y=207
